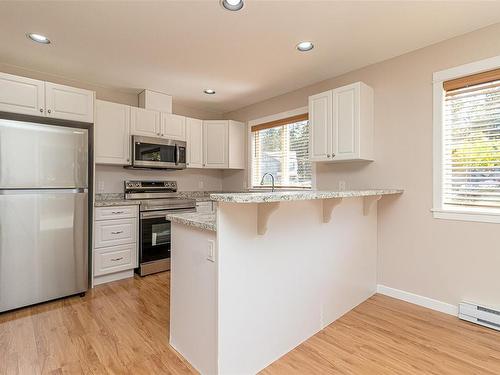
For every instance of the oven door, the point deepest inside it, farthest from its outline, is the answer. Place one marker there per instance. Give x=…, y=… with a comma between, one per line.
x=150, y=152
x=155, y=235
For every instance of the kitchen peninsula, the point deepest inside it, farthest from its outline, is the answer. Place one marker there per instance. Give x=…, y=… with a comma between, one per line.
x=267, y=271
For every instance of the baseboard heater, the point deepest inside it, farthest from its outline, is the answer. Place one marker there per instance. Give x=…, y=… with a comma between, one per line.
x=482, y=315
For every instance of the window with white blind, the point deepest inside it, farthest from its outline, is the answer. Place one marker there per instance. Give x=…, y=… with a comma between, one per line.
x=469, y=147
x=281, y=148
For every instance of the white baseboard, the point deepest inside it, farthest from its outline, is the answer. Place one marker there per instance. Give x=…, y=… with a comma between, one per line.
x=418, y=300
x=113, y=277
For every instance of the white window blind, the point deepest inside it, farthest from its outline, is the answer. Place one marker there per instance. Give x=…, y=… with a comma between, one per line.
x=282, y=149
x=471, y=145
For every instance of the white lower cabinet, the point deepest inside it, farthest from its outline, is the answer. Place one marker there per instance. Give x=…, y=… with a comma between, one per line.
x=115, y=252
x=115, y=232
x=115, y=212
x=114, y=259
x=205, y=207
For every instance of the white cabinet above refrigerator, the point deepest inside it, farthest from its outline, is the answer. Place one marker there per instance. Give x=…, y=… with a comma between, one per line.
x=38, y=98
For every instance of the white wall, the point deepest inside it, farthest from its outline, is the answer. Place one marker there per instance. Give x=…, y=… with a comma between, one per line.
x=444, y=260
x=109, y=179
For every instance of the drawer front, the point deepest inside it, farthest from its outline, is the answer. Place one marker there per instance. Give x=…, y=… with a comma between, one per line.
x=204, y=207
x=114, y=259
x=115, y=232
x=115, y=212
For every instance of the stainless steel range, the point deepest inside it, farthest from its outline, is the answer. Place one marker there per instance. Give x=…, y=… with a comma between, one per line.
x=158, y=198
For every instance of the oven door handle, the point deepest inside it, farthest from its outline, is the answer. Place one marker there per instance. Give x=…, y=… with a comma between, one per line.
x=163, y=213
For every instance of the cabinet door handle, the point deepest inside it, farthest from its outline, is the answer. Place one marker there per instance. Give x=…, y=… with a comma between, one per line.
x=41, y=110
x=328, y=155
x=117, y=212
x=119, y=232
x=49, y=111
x=116, y=259
x=333, y=155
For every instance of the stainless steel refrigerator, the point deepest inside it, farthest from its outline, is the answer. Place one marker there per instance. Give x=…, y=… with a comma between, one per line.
x=44, y=174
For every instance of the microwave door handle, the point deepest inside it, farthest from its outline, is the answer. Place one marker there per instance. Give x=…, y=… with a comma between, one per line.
x=177, y=154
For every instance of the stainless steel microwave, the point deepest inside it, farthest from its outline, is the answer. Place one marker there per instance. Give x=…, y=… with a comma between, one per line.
x=159, y=153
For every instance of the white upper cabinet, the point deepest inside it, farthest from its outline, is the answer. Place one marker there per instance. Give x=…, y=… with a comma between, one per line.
x=112, y=133
x=21, y=95
x=173, y=126
x=215, y=143
x=145, y=122
x=320, y=120
x=69, y=103
x=157, y=101
x=33, y=97
x=237, y=145
x=341, y=124
x=194, y=140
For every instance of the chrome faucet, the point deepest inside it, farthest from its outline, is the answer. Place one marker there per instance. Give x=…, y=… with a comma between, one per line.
x=264, y=176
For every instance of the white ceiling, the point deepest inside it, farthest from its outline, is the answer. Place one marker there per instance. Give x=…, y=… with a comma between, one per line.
x=182, y=47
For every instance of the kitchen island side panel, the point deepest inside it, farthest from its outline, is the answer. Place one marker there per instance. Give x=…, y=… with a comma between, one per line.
x=278, y=289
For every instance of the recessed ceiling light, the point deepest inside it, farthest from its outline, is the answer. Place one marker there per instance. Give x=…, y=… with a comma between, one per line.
x=305, y=46
x=209, y=91
x=232, y=5
x=38, y=38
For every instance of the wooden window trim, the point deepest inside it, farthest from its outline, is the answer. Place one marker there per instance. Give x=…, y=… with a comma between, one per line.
x=471, y=80
x=280, y=122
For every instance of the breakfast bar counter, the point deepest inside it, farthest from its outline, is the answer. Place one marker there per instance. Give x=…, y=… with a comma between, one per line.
x=267, y=271
x=284, y=196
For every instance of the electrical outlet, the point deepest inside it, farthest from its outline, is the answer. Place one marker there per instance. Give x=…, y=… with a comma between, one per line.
x=211, y=251
x=342, y=185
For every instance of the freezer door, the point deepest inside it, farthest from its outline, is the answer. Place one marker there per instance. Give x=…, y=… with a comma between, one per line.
x=42, y=156
x=43, y=245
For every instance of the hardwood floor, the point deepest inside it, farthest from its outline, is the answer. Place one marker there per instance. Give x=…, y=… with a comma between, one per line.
x=122, y=328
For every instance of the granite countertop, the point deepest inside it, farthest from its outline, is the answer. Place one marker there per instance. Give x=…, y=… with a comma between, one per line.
x=195, y=219
x=118, y=199
x=280, y=196
x=113, y=199
x=199, y=196
x=202, y=196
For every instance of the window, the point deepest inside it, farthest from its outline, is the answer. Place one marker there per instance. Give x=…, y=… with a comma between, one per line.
x=281, y=148
x=467, y=167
